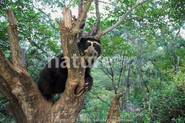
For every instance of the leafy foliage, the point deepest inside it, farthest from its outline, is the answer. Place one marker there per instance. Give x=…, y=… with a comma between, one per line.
x=143, y=51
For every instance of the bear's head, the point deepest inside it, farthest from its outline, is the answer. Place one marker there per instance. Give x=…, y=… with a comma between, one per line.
x=90, y=49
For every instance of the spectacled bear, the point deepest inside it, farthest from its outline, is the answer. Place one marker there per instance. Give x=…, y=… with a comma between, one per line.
x=52, y=78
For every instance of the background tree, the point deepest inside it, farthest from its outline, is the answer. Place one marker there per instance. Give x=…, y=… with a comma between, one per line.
x=156, y=90
x=17, y=85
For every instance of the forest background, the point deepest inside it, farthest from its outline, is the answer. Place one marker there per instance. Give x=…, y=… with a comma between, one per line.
x=143, y=58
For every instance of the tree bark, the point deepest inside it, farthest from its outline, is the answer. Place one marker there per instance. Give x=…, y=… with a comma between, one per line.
x=115, y=106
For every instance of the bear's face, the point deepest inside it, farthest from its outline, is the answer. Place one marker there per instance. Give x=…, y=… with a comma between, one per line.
x=90, y=49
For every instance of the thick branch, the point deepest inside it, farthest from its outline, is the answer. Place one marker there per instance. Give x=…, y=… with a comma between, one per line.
x=97, y=16
x=67, y=17
x=123, y=17
x=7, y=71
x=80, y=10
x=13, y=39
x=19, y=89
x=83, y=15
x=11, y=18
x=17, y=85
x=99, y=33
x=80, y=7
x=6, y=91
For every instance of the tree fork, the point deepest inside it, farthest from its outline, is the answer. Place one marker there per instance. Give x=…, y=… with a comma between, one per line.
x=68, y=107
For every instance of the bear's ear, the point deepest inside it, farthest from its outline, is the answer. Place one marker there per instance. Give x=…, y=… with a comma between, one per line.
x=98, y=41
x=78, y=44
x=83, y=40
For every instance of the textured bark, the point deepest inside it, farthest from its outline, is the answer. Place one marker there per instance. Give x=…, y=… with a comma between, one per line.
x=23, y=95
x=115, y=106
x=68, y=108
x=26, y=104
x=13, y=35
x=80, y=10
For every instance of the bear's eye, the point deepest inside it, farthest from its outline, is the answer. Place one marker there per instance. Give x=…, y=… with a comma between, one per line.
x=89, y=44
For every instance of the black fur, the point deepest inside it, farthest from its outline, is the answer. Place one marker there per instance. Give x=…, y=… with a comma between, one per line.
x=52, y=79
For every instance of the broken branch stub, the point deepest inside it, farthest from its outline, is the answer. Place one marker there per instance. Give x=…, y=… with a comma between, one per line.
x=67, y=18
x=114, y=107
x=11, y=18
x=13, y=39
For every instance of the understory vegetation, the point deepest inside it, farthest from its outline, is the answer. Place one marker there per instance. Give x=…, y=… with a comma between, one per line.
x=143, y=58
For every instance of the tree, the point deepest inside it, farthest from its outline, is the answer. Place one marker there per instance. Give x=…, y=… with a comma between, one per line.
x=26, y=103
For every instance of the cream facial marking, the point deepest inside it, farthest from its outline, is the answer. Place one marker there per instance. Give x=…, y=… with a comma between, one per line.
x=89, y=46
x=93, y=42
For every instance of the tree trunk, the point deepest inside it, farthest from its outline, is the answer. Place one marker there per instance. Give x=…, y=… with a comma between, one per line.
x=26, y=104
x=115, y=106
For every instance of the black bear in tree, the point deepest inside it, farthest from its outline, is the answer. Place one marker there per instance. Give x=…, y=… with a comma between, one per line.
x=52, y=78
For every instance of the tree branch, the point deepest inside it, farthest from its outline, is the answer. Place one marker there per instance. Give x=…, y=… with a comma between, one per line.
x=83, y=15
x=80, y=10
x=36, y=67
x=120, y=73
x=24, y=59
x=36, y=45
x=106, y=73
x=48, y=16
x=5, y=46
x=98, y=29
x=100, y=98
x=13, y=39
x=112, y=73
x=107, y=70
x=5, y=118
x=6, y=68
x=123, y=17
x=144, y=84
x=177, y=63
x=167, y=49
x=17, y=86
x=128, y=80
x=128, y=75
x=92, y=32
